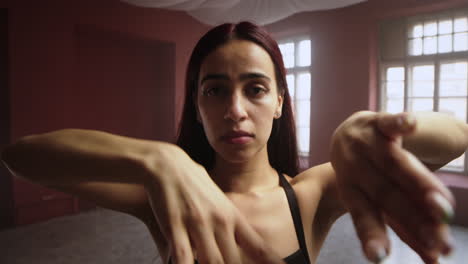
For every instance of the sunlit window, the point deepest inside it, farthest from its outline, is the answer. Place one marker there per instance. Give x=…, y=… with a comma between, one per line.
x=297, y=59
x=438, y=36
x=433, y=75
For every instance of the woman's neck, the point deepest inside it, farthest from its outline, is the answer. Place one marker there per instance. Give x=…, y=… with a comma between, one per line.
x=252, y=176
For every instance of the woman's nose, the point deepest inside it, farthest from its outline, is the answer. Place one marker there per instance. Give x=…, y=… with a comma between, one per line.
x=235, y=108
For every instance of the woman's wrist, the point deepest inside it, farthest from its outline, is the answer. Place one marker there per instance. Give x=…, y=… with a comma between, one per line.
x=155, y=159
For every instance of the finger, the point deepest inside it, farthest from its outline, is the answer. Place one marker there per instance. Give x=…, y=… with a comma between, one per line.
x=403, y=208
x=394, y=125
x=180, y=248
x=227, y=245
x=225, y=238
x=405, y=170
x=203, y=238
x=416, y=228
x=407, y=235
x=171, y=224
x=369, y=225
x=252, y=245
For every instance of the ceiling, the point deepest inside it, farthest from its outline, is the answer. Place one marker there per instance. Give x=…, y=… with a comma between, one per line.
x=214, y=12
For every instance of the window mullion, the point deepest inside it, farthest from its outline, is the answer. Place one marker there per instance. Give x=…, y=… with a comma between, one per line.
x=436, y=85
x=406, y=86
x=466, y=152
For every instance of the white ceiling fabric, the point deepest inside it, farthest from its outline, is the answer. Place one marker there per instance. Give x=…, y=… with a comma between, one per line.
x=214, y=12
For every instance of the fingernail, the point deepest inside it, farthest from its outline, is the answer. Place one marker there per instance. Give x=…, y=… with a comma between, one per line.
x=446, y=259
x=406, y=121
x=442, y=205
x=375, y=252
x=448, y=243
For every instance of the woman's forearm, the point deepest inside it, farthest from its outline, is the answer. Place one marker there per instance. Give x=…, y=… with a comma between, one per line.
x=71, y=156
x=438, y=138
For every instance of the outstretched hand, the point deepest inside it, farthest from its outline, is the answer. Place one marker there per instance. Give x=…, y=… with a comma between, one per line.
x=382, y=183
x=197, y=219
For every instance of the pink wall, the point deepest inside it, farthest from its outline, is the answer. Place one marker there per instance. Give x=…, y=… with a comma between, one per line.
x=95, y=64
x=44, y=50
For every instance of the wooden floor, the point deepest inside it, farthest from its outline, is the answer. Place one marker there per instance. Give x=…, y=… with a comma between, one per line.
x=104, y=236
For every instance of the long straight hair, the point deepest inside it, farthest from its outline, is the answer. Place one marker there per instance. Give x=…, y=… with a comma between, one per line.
x=282, y=145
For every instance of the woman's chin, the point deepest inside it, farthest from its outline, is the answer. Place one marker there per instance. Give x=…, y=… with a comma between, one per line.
x=238, y=155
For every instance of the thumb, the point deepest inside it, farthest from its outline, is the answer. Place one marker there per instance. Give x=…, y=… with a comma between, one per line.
x=395, y=125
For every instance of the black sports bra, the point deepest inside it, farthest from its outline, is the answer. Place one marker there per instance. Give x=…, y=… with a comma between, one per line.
x=301, y=256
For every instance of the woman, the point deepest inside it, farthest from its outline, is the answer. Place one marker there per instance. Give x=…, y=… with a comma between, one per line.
x=229, y=193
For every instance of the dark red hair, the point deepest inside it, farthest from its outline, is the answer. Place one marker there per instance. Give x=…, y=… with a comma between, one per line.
x=282, y=145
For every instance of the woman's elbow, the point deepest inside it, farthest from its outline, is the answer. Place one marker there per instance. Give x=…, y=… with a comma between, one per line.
x=14, y=156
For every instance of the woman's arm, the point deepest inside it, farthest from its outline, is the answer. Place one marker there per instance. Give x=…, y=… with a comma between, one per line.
x=367, y=147
x=70, y=156
x=155, y=181
x=437, y=139
x=106, y=169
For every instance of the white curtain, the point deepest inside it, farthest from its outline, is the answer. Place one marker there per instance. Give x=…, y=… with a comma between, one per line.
x=214, y=12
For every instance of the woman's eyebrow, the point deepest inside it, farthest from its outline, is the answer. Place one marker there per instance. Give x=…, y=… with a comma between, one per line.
x=243, y=76
x=254, y=75
x=216, y=76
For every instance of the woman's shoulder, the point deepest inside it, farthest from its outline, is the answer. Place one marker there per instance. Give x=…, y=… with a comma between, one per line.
x=316, y=188
x=321, y=176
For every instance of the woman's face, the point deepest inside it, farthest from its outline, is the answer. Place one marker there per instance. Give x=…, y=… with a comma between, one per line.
x=238, y=99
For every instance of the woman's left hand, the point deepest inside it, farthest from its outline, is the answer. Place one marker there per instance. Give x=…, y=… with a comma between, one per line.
x=382, y=183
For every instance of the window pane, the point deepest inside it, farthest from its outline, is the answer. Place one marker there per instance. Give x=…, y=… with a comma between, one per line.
x=395, y=89
x=445, y=27
x=453, y=88
x=303, y=86
x=457, y=164
x=394, y=106
x=415, y=47
x=304, y=53
x=430, y=28
x=453, y=106
x=420, y=104
x=430, y=45
x=291, y=85
x=454, y=71
x=461, y=24
x=423, y=73
x=304, y=135
x=421, y=89
x=396, y=74
x=287, y=50
x=422, y=81
x=445, y=43
x=417, y=31
x=460, y=42
x=303, y=113
x=453, y=79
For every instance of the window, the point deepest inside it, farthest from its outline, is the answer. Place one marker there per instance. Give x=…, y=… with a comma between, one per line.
x=297, y=59
x=424, y=66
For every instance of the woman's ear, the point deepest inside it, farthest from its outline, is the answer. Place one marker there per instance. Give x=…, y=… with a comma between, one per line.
x=280, y=105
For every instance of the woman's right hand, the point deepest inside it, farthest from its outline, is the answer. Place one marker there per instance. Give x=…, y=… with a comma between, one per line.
x=196, y=217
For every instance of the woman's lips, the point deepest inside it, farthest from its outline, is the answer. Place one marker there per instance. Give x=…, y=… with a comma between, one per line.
x=237, y=137
x=238, y=140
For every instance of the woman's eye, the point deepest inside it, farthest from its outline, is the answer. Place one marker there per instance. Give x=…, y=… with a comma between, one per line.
x=211, y=91
x=257, y=90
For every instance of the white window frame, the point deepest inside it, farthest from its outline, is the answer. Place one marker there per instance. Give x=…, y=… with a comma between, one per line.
x=410, y=61
x=296, y=70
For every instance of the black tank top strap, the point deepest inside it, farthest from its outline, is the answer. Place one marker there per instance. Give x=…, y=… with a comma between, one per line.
x=296, y=214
